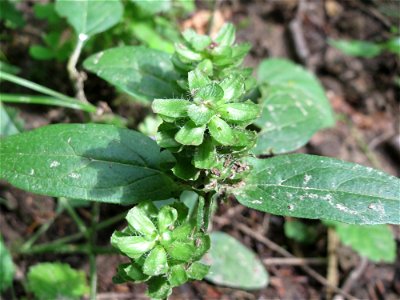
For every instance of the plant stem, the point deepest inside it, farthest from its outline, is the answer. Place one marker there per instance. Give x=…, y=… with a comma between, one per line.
x=60, y=243
x=34, y=86
x=76, y=77
x=71, y=211
x=44, y=100
x=92, y=255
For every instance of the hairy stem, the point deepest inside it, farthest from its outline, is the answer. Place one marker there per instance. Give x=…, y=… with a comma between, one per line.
x=77, y=77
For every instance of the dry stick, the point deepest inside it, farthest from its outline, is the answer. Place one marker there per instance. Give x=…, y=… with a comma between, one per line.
x=294, y=261
x=353, y=277
x=297, y=33
x=275, y=247
x=332, y=269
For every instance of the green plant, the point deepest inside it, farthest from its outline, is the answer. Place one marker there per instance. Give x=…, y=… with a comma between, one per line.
x=216, y=119
x=367, y=49
x=56, y=281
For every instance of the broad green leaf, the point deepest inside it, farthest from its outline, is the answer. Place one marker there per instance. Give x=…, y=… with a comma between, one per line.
x=89, y=17
x=7, y=268
x=375, y=242
x=141, y=72
x=174, y=108
x=132, y=246
x=200, y=114
x=177, y=276
x=156, y=262
x=294, y=107
x=90, y=162
x=56, y=281
x=221, y=131
x=308, y=186
x=130, y=271
x=139, y=220
x=357, y=48
x=7, y=125
x=233, y=264
x=190, y=134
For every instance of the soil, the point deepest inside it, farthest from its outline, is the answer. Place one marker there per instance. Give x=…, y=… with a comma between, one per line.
x=362, y=92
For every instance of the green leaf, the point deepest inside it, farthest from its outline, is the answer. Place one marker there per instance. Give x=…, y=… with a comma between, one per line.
x=132, y=246
x=40, y=52
x=233, y=264
x=153, y=6
x=294, y=107
x=242, y=113
x=221, y=131
x=7, y=268
x=12, y=17
x=89, y=17
x=200, y=114
x=308, y=186
x=143, y=73
x=226, y=35
x=197, y=79
x=139, y=220
x=7, y=125
x=376, y=242
x=177, y=276
x=212, y=92
x=233, y=87
x=197, y=271
x=56, y=281
x=131, y=271
x=190, y=134
x=205, y=156
x=166, y=217
x=90, y=162
x=197, y=41
x=357, y=48
x=300, y=232
x=159, y=288
x=203, y=244
x=181, y=251
x=156, y=262
x=393, y=45
x=174, y=108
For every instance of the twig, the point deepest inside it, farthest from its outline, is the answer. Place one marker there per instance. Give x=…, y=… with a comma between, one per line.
x=332, y=270
x=294, y=261
x=297, y=33
x=275, y=247
x=77, y=77
x=353, y=277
